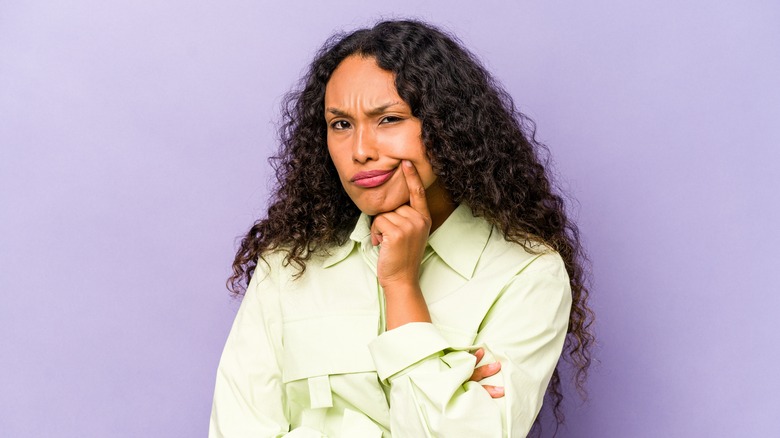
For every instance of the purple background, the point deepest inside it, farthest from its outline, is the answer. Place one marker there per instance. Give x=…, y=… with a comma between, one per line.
x=133, y=139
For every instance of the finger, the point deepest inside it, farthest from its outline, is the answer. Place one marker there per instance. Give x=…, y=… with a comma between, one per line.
x=395, y=225
x=385, y=224
x=480, y=353
x=392, y=217
x=412, y=215
x=494, y=391
x=485, y=371
x=381, y=226
x=408, y=220
x=414, y=183
x=376, y=233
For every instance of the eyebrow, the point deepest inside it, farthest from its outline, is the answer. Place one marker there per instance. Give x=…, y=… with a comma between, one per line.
x=371, y=113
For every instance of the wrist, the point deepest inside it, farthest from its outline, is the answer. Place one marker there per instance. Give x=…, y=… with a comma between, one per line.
x=404, y=303
x=401, y=286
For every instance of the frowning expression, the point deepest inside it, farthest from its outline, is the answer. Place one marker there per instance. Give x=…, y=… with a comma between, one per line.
x=370, y=130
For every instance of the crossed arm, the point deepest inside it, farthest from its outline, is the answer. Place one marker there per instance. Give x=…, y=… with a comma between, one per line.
x=403, y=234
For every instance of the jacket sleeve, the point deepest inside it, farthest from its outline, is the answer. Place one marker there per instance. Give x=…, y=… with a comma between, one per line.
x=430, y=391
x=248, y=395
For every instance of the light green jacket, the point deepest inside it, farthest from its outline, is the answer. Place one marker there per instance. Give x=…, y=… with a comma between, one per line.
x=309, y=357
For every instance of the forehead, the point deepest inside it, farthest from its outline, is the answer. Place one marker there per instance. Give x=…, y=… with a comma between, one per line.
x=360, y=79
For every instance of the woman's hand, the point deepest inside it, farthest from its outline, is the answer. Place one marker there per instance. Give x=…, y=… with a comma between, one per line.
x=488, y=370
x=403, y=234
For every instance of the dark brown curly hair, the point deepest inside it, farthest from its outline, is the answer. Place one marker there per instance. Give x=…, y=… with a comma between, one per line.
x=480, y=146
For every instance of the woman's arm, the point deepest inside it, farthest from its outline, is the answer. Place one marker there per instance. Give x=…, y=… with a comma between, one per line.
x=430, y=389
x=248, y=396
x=403, y=234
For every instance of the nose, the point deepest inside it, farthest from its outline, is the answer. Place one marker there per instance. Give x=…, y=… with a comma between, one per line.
x=364, y=146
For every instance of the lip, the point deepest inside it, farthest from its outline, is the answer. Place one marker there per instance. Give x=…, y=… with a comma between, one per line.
x=372, y=178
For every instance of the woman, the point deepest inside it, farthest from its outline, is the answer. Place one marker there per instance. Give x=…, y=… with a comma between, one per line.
x=415, y=275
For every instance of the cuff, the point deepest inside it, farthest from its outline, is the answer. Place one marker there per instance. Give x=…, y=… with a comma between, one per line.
x=404, y=346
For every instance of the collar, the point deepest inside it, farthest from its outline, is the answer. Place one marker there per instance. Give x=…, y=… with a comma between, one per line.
x=360, y=234
x=459, y=241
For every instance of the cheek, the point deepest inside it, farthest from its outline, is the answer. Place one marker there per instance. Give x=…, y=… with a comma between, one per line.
x=338, y=161
x=409, y=147
x=403, y=142
x=426, y=174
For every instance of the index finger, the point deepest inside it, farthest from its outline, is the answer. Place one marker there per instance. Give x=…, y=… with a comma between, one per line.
x=417, y=199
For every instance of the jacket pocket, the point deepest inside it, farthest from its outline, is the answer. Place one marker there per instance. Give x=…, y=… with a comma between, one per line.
x=325, y=356
x=328, y=344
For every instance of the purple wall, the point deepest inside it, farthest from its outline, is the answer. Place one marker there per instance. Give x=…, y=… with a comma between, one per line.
x=133, y=139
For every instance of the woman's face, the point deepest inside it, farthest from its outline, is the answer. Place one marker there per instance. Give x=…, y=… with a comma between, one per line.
x=370, y=130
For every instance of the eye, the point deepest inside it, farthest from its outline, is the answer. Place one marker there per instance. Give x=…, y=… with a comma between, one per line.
x=390, y=119
x=339, y=125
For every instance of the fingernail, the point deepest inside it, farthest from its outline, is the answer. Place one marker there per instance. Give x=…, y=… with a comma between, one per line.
x=407, y=163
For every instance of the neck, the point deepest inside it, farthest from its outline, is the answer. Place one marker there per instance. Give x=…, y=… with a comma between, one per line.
x=440, y=204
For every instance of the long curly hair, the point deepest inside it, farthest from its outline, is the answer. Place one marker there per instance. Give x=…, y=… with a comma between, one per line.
x=480, y=146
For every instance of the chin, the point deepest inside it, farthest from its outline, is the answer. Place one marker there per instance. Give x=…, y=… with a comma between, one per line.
x=373, y=209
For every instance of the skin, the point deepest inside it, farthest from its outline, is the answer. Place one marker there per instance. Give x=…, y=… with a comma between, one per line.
x=371, y=128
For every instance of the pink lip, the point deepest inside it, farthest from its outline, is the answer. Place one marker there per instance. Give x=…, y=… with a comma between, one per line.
x=372, y=178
